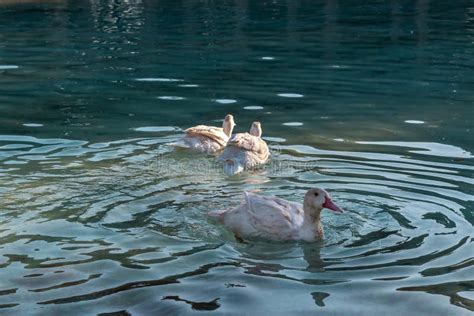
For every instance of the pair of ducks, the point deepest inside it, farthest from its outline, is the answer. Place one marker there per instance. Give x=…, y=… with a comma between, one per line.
x=242, y=151
x=262, y=217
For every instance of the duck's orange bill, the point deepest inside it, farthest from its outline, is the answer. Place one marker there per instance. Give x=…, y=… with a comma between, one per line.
x=332, y=206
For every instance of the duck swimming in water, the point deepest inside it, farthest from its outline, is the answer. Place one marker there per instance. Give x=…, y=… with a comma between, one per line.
x=245, y=151
x=207, y=139
x=272, y=218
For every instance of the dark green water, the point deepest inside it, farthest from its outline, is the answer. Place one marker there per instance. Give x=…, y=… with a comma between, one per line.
x=372, y=100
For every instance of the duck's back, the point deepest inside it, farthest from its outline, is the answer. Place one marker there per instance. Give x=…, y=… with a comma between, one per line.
x=266, y=217
x=248, y=142
x=245, y=151
x=214, y=133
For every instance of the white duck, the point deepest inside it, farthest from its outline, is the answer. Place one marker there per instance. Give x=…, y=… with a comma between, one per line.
x=207, y=139
x=272, y=218
x=245, y=151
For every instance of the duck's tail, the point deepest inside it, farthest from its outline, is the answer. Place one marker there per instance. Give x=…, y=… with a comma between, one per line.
x=218, y=214
x=232, y=167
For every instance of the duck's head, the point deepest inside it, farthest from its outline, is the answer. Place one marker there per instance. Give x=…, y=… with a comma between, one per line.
x=316, y=199
x=256, y=129
x=228, y=124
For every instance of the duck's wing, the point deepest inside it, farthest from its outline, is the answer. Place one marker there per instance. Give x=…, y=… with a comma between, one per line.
x=244, y=141
x=263, y=151
x=250, y=143
x=215, y=133
x=272, y=215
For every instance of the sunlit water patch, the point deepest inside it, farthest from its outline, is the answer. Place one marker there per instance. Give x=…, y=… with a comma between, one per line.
x=290, y=95
x=7, y=67
x=33, y=124
x=225, y=101
x=414, y=122
x=253, y=107
x=171, y=97
x=154, y=129
x=293, y=124
x=159, y=79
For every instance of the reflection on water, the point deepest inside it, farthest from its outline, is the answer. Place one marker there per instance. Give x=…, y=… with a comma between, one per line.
x=370, y=101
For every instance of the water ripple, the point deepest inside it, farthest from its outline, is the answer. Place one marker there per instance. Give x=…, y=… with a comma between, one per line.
x=142, y=208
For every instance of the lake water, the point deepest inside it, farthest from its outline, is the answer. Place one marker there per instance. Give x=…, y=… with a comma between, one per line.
x=372, y=100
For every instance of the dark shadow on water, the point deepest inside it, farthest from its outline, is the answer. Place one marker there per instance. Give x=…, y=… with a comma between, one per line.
x=450, y=289
x=117, y=313
x=232, y=285
x=371, y=237
x=319, y=297
x=8, y=305
x=200, y=306
x=174, y=279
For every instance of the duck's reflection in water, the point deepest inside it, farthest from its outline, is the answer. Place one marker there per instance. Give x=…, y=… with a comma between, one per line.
x=285, y=261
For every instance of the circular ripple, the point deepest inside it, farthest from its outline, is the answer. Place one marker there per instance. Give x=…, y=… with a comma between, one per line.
x=133, y=210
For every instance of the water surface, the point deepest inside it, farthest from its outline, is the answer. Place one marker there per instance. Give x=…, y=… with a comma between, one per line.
x=372, y=101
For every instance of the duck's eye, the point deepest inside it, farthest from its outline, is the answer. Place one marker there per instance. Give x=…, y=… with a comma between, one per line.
x=316, y=193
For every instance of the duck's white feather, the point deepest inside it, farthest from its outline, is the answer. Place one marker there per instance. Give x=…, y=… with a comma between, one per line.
x=267, y=217
x=243, y=152
x=215, y=133
x=273, y=218
x=203, y=138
